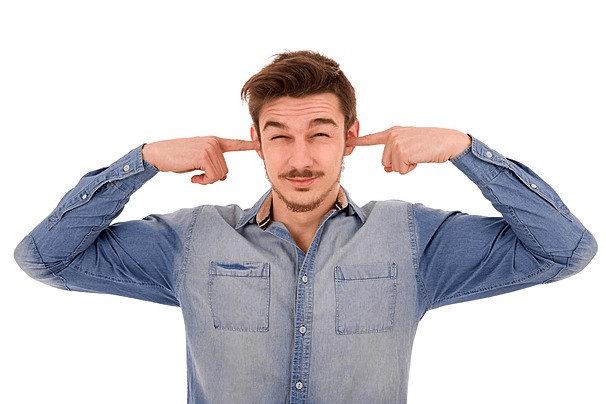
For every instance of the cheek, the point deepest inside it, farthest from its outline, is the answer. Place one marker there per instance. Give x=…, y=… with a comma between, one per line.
x=272, y=163
x=335, y=159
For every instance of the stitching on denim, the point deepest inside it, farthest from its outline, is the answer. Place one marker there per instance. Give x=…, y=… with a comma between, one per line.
x=539, y=271
x=262, y=323
x=76, y=201
x=102, y=226
x=366, y=330
x=414, y=248
x=117, y=280
x=182, y=272
x=357, y=328
x=514, y=215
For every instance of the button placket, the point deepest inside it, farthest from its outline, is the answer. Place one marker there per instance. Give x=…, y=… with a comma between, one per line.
x=303, y=319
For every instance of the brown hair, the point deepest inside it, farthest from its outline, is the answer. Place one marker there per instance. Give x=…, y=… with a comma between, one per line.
x=299, y=74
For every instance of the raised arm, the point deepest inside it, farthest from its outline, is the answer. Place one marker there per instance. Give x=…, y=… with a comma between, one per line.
x=464, y=257
x=76, y=248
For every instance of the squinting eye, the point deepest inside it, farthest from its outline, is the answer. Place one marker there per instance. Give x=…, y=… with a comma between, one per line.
x=321, y=134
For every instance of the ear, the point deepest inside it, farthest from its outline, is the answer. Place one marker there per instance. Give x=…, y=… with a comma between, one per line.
x=256, y=138
x=352, y=133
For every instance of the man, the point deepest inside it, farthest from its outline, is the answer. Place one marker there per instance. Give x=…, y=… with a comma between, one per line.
x=306, y=297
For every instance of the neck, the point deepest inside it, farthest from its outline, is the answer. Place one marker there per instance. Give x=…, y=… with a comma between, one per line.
x=302, y=225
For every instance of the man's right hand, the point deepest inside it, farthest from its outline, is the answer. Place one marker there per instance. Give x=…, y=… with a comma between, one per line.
x=196, y=153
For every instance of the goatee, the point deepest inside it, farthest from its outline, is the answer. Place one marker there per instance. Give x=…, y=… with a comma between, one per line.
x=297, y=206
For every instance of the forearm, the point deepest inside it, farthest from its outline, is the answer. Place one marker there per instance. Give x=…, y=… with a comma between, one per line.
x=464, y=257
x=535, y=212
x=81, y=215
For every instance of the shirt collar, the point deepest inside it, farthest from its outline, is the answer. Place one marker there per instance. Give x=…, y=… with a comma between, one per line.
x=260, y=213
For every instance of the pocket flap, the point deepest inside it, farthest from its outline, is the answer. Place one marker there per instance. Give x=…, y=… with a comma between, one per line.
x=366, y=271
x=244, y=269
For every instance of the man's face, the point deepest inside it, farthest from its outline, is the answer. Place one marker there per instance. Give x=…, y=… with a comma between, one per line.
x=302, y=145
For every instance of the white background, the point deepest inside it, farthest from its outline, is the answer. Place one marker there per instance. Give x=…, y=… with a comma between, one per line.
x=84, y=82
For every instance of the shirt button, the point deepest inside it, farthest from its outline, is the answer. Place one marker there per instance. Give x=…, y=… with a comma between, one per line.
x=126, y=168
x=84, y=196
x=489, y=154
x=533, y=186
x=304, y=279
x=299, y=385
x=302, y=329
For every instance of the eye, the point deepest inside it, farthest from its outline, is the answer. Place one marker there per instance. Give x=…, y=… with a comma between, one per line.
x=277, y=137
x=321, y=135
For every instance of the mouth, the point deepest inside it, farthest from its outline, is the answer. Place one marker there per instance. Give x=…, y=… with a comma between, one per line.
x=301, y=182
x=302, y=179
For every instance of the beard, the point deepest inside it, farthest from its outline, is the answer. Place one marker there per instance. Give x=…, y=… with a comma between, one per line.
x=303, y=206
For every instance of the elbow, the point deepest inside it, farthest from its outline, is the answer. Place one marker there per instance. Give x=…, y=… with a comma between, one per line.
x=27, y=257
x=580, y=258
x=584, y=253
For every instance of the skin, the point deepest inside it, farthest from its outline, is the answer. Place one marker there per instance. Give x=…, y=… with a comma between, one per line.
x=303, y=142
x=303, y=145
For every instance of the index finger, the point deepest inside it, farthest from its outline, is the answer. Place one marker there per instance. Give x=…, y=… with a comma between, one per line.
x=369, y=140
x=229, y=145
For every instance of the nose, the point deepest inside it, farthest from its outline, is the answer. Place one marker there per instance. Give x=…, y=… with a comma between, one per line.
x=301, y=156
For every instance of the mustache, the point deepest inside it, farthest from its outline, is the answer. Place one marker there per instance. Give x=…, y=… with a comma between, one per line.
x=301, y=174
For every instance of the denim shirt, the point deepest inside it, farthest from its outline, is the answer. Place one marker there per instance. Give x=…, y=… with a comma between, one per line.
x=268, y=323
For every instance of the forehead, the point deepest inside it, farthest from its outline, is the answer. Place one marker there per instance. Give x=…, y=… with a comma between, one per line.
x=299, y=111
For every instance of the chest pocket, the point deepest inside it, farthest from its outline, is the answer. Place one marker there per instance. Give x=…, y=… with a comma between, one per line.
x=365, y=298
x=239, y=295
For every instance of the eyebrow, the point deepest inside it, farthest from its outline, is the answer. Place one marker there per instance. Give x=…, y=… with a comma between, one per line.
x=312, y=124
x=321, y=121
x=275, y=124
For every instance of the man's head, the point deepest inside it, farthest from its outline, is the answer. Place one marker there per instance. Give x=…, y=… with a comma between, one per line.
x=303, y=110
x=299, y=74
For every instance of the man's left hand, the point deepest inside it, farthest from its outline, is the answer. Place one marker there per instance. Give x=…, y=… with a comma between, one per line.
x=405, y=147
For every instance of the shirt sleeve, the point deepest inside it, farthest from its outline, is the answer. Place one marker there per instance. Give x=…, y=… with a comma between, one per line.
x=76, y=248
x=537, y=240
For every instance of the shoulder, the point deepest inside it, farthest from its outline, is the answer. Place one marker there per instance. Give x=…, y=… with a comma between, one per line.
x=388, y=210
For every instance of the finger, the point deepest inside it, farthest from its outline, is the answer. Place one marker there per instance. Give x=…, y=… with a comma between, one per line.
x=206, y=179
x=221, y=165
x=199, y=179
x=398, y=165
x=386, y=158
x=209, y=162
x=409, y=168
x=369, y=140
x=216, y=168
x=229, y=145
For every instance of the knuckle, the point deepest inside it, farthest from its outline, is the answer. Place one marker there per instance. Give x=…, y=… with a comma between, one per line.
x=211, y=141
x=205, y=153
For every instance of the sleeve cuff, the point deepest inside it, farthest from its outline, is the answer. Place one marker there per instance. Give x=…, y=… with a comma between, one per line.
x=128, y=173
x=482, y=165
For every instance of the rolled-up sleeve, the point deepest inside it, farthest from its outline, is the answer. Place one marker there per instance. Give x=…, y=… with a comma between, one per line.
x=537, y=239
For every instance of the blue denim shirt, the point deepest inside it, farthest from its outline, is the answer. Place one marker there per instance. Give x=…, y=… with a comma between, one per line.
x=268, y=323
